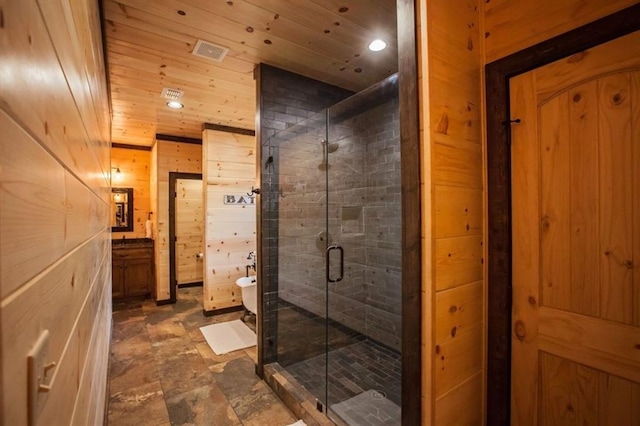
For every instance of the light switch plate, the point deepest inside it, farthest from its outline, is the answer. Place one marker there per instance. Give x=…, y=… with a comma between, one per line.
x=38, y=375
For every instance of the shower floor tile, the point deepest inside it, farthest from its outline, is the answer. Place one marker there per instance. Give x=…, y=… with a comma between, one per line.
x=353, y=369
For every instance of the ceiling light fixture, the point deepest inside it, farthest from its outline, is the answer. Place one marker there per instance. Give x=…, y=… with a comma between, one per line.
x=377, y=45
x=175, y=105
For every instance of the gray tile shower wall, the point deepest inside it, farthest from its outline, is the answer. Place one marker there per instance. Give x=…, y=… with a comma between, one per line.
x=364, y=217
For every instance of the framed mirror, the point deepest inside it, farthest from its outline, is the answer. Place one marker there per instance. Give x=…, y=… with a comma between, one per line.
x=121, y=209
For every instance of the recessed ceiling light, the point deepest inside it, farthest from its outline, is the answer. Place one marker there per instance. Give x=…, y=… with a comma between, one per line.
x=175, y=105
x=377, y=45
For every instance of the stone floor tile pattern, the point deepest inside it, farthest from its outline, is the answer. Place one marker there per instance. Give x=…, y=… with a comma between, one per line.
x=162, y=372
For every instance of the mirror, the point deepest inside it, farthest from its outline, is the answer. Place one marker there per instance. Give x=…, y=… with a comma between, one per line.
x=121, y=209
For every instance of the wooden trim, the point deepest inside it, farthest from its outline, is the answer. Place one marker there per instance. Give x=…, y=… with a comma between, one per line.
x=222, y=310
x=164, y=302
x=105, y=58
x=127, y=146
x=180, y=139
x=499, y=188
x=411, y=214
x=259, y=252
x=228, y=129
x=173, y=177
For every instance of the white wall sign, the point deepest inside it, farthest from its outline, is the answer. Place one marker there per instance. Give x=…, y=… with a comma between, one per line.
x=239, y=199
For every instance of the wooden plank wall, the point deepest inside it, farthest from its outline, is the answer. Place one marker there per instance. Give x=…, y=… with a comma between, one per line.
x=513, y=25
x=55, y=255
x=451, y=128
x=168, y=157
x=134, y=167
x=230, y=230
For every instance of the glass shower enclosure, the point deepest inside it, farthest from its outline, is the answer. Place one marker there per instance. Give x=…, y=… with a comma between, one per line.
x=332, y=246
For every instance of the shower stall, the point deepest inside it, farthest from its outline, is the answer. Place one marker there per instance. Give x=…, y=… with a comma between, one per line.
x=332, y=248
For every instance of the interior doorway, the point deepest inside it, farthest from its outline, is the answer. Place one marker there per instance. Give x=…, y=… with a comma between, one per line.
x=186, y=231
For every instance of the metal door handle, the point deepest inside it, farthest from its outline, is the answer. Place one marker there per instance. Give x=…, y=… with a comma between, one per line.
x=329, y=249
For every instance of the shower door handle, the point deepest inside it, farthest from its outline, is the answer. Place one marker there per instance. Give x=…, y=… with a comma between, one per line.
x=329, y=250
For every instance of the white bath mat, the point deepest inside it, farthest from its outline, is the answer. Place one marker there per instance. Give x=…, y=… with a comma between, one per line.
x=228, y=336
x=367, y=408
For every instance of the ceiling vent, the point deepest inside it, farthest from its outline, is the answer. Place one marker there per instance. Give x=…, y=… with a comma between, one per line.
x=204, y=49
x=171, y=94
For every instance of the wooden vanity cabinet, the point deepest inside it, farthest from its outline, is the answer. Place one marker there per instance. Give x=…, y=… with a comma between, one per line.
x=132, y=271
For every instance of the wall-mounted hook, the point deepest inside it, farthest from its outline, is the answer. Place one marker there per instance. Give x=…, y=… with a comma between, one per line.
x=254, y=191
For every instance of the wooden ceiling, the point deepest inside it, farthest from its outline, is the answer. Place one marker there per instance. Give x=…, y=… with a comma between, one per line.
x=150, y=44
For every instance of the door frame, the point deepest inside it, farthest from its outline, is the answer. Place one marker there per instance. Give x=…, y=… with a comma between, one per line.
x=498, y=157
x=173, y=178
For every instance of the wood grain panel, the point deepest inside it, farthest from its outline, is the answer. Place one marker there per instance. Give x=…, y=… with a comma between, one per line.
x=458, y=310
x=458, y=211
x=615, y=195
x=32, y=217
x=619, y=401
x=457, y=163
x=467, y=394
x=33, y=95
x=555, y=249
x=525, y=164
x=189, y=230
x=606, y=345
x=458, y=261
x=584, y=169
x=512, y=26
x=230, y=229
x=458, y=358
x=569, y=392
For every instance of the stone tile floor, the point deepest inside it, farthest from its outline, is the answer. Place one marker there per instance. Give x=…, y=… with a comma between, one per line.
x=162, y=371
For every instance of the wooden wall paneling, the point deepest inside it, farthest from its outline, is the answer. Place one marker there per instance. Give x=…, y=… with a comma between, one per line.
x=457, y=359
x=34, y=95
x=498, y=177
x=153, y=204
x=171, y=157
x=32, y=217
x=458, y=310
x=230, y=230
x=458, y=261
x=135, y=172
x=452, y=87
x=55, y=297
x=512, y=26
x=449, y=410
x=458, y=211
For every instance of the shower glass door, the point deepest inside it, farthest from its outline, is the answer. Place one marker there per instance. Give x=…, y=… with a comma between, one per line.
x=364, y=257
x=334, y=253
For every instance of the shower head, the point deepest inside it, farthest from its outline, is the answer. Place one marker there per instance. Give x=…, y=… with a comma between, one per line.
x=331, y=147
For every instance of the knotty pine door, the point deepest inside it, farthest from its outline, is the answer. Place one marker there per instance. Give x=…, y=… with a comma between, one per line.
x=189, y=231
x=576, y=239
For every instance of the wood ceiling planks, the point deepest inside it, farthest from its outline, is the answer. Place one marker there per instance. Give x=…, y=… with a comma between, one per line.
x=149, y=47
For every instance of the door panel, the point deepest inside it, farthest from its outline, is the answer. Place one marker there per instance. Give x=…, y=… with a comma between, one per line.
x=189, y=231
x=576, y=239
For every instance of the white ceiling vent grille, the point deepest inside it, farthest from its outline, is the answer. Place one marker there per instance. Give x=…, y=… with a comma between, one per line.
x=208, y=50
x=171, y=94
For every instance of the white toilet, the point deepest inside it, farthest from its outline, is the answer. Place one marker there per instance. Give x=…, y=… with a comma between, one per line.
x=249, y=288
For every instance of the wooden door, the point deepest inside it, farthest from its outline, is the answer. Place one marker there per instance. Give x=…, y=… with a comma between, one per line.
x=189, y=231
x=576, y=239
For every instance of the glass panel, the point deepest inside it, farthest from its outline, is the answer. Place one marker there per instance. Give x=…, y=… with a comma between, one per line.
x=364, y=218
x=301, y=248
